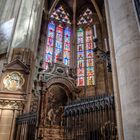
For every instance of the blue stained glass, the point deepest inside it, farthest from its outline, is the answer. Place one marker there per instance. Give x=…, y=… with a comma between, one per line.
x=48, y=58
x=50, y=43
x=89, y=53
x=51, y=25
x=67, y=31
x=58, y=51
x=80, y=55
x=66, y=61
x=66, y=56
x=58, y=44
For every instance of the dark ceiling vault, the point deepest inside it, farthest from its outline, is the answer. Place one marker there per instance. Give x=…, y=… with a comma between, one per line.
x=80, y=5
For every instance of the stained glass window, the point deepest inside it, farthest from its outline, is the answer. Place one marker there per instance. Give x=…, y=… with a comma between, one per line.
x=61, y=15
x=89, y=57
x=66, y=58
x=58, y=43
x=58, y=38
x=85, y=55
x=50, y=44
x=80, y=58
x=86, y=18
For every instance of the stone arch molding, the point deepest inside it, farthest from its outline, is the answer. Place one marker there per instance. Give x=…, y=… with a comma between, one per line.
x=62, y=81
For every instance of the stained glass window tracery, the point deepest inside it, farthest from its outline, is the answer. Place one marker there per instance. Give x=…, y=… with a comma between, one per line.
x=66, y=58
x=61, y=15
x=50, y=44
x=86, y=17
x=85, y=55
x=80, y=58
x=58, y=44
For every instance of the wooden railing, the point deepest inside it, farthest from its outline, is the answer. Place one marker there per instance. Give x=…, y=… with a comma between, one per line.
x=91, y=119
x=26, y=127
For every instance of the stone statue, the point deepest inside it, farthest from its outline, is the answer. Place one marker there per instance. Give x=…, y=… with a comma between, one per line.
x=55, y=115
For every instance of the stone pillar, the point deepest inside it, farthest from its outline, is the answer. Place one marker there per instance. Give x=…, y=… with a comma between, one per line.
x=126, y=38
x=114, y=75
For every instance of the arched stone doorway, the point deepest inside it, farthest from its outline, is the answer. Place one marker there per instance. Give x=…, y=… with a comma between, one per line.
x=56, y=100
x=56, y=97
x=57, y=90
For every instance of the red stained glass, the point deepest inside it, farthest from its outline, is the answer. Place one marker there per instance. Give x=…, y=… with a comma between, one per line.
x=89, y=54
x=58, y=43
x=80, y=47
x=80, y=58
x=89, y=46
x=50, y=43
x=80, y=64
x=66, y=57
x=80, y=72
x=90, y=71
x=80, y=55
x=81, y=81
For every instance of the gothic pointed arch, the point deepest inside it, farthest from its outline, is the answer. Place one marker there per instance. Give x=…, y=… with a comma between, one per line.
x=85, y=56
x=58, y=44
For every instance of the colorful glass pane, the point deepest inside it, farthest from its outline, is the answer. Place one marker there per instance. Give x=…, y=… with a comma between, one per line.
x=89, y=46
x=80, y=64
x=89, y=58
x=67, y=54
x=58, y=43
x=80, y=58
x=90, y=80
x=89, y=54
x=80, y=47
x=61, y=15
x=90, y=71
x=80, y=55
x=50, y=43
x=86, y=18
x=81, y=81
x=80, y=72
x=89, y=62
x=66, y=58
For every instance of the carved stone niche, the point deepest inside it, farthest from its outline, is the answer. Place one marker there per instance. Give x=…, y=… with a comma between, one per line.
x=23, y=54
x=57, y=86
x=56, y=98
x=15, y=75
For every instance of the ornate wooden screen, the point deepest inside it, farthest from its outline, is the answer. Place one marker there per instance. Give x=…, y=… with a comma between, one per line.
x=91, y=119
x=26, y=127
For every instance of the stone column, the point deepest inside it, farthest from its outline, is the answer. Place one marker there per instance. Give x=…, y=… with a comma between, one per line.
x=126, y=38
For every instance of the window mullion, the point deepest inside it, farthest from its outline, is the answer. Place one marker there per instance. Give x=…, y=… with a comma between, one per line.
x=54, y=46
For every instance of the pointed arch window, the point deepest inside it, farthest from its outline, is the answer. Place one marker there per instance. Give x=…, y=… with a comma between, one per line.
x=58, y=44
x=85, y=55
x=80, y=58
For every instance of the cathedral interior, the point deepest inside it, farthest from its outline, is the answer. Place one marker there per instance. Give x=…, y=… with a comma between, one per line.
x=69, y=69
